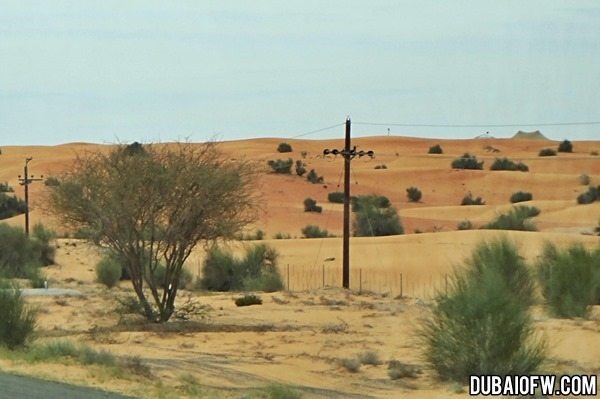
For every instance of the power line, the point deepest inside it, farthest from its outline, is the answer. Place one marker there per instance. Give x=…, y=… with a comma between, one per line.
x=317, y=130
x=482, y=126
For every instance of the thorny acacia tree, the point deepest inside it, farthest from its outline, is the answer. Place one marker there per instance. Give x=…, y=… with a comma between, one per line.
x=155, y=204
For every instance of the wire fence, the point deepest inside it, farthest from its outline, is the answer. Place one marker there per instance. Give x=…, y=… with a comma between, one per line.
x=372, y=279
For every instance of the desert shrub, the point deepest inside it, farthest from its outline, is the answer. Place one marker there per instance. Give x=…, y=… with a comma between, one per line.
x=109, y=271
x=185, y=278
x=469, y=200
x=369, y=357
x=593, y=194
x=584, y=179
x=565, y=146
x=19, y=255
x=51, y=181
x=515, y=219
x=248, y=300
x=336, y=197
x=255, y=236
x=467, y=161
x=507, y=164
x=570, y=279
x=281, y=392
x=520, y=196
x=282, y=236
x=597, y=229
x=594, y=153
x=398, y=370
x=350, y=364
x=312, y=231
x=313, y=177
x=382, y=166
x=413, y=194
x=310, y=205
x=503, y=257
x=256, y=270
x=5, y=188
x=300, y=168
x=66, y=349
x=465, y=225
x=11, y=206
x=284, y=147
x=435, y=149
x=367, y=201
x=282, y=166
x=17, y=323
x=41, y=238
x=481, y=326
x=303, y=154
x=547, y=152
x=371, y=221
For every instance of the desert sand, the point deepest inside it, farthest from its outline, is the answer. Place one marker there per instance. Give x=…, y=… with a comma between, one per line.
x=298, y=336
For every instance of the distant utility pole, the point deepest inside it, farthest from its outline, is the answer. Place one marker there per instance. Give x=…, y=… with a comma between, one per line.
x=349, y=154
x=26, y=180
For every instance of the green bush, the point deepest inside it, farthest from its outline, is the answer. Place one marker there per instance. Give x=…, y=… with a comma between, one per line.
x=310, y=205
x=284, y=147
x=248, y=300
x=565, y=146
x=465, y=225
x=313, y=177
x=312, y=231
x=352, y=365
x=467, y=161
x=435, y=149
x=516, y=219
x=520, y=196
x=282, y=236
x=570, y=279
x=5, y=188
x=256, y=271
x=41, y=243
x=336, y=197
x=372, y=221
x=593, y=194
x=585, y=179
x=481, y=326
x=11, y=206
x=547, y=152
x=51, y=181
x=281, y=165
x=503, y=257
x=370, y=358
x=109, y=271
x=368, y=201
x=280, y=392
x=469, y=200
x=300, y=168
x=17, y=323
x=413, y=194
x=19, y=255
x=507, y=164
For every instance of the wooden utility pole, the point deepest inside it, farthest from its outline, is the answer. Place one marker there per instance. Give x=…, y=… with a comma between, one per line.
x=26, y=180
x=349, y=153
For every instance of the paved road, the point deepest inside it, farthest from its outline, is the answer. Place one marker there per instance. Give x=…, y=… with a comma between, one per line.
x=18, y=387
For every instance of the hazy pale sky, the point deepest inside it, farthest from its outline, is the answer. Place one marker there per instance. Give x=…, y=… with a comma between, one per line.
x=102, y=71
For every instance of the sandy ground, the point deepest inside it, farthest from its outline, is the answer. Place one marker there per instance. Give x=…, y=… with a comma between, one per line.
x=299, y=337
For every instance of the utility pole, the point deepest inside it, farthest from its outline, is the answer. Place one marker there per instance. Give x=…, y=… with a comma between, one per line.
x=26, y=180
x=349, y=153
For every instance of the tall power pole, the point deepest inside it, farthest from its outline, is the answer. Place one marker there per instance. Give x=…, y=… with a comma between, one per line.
x=349, y=153
x=26, y=180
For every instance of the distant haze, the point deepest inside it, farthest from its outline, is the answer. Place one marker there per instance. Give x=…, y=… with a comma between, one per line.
x=102, y=71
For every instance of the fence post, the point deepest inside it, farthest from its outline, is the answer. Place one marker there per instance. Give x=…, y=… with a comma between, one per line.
x=360, y=281
x=401, y=290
